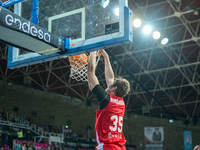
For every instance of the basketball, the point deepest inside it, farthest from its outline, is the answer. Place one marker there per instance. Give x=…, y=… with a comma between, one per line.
x=78, y=61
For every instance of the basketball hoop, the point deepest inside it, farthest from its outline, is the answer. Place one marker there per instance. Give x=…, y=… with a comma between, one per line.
x=78, y=65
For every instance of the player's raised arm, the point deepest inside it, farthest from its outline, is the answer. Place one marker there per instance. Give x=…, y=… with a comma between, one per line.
x=109, y=75
x=91, y=77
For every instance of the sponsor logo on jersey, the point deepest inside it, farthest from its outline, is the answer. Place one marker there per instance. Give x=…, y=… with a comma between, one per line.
x=110, y=135
x=117, y=101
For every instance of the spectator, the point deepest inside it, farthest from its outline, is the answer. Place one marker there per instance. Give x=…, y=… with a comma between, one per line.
x=55, y=146
x=14, y=121
x=4, y=116
x=10, y=141
x=80, y=135
x=46, y=126
x=5, y=138
x=20, y=133
x=52, y=148
x=33, y=145
x=1, y=140
x=74, y=135
x=40, y=129
x=30, y=122
x=49, y=147
x=50, y=127
x=68, y=131
x=18, y=145
x=28, y=136
x=47, y=132
x=23, y=146
x=60, y=146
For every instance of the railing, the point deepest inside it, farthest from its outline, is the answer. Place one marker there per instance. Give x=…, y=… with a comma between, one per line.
x=20, y=119
x=22, y=123
x=13, y=115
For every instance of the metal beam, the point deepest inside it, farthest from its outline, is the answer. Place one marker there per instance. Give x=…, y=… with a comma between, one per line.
x=142, y=86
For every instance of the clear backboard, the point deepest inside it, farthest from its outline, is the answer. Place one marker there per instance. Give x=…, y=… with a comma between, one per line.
x=90, y=24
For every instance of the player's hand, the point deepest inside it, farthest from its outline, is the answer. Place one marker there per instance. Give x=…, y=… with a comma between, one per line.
x=103, y=53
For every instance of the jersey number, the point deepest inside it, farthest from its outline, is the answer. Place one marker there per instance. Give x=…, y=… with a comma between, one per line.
x=117, y=119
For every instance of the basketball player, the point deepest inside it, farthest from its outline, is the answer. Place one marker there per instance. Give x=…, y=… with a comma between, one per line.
x=110, y=113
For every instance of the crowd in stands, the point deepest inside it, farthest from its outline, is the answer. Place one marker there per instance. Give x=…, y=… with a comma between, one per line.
x=24, y=143
x=31, y=146
x=48, y=128
x=45, y=129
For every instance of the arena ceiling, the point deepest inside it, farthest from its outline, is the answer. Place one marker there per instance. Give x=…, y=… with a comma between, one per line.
x=165, y=80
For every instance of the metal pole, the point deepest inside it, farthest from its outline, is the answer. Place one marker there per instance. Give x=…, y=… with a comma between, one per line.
x=35, y=12
x=142, y=86
x=1, y=3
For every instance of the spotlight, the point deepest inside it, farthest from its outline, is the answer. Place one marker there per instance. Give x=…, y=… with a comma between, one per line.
x=105, y=3
x=156, y=35
x=137, y=23
x=164, y=41
x=171, y=121
x=147, y=29
x=117, y=11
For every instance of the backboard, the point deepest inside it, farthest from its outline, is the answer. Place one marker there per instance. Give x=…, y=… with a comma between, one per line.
x=90, y=24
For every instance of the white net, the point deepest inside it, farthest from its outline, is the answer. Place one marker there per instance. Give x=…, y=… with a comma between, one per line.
x=78, y=65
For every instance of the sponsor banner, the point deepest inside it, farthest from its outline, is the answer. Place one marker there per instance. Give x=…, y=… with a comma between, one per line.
x=187, y=135
x=154, y=137
x=86, y=145
x=80, y=145
x=17, y=23
x=56, y=139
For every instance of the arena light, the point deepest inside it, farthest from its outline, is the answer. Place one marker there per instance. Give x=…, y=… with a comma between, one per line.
x=164, y=41
x=137, y=23
x=147, y=29
x=117, y=11
x=156, y=35
x=105, y=3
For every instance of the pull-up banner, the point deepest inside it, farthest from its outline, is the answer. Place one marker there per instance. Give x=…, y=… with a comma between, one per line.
x=154, y=137
x=14, y=22
x=187, y=140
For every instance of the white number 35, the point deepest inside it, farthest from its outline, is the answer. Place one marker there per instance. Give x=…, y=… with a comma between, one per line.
x=117, y=119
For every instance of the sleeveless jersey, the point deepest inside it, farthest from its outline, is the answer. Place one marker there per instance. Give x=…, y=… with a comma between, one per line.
x=109, y=123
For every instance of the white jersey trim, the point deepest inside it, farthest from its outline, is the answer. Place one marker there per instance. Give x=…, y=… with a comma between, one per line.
x=100, y=145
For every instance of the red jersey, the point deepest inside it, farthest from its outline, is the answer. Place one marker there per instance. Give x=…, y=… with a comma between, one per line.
x=109, y=123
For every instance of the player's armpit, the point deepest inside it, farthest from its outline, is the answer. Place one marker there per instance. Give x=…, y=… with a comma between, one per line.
x=92, y=80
